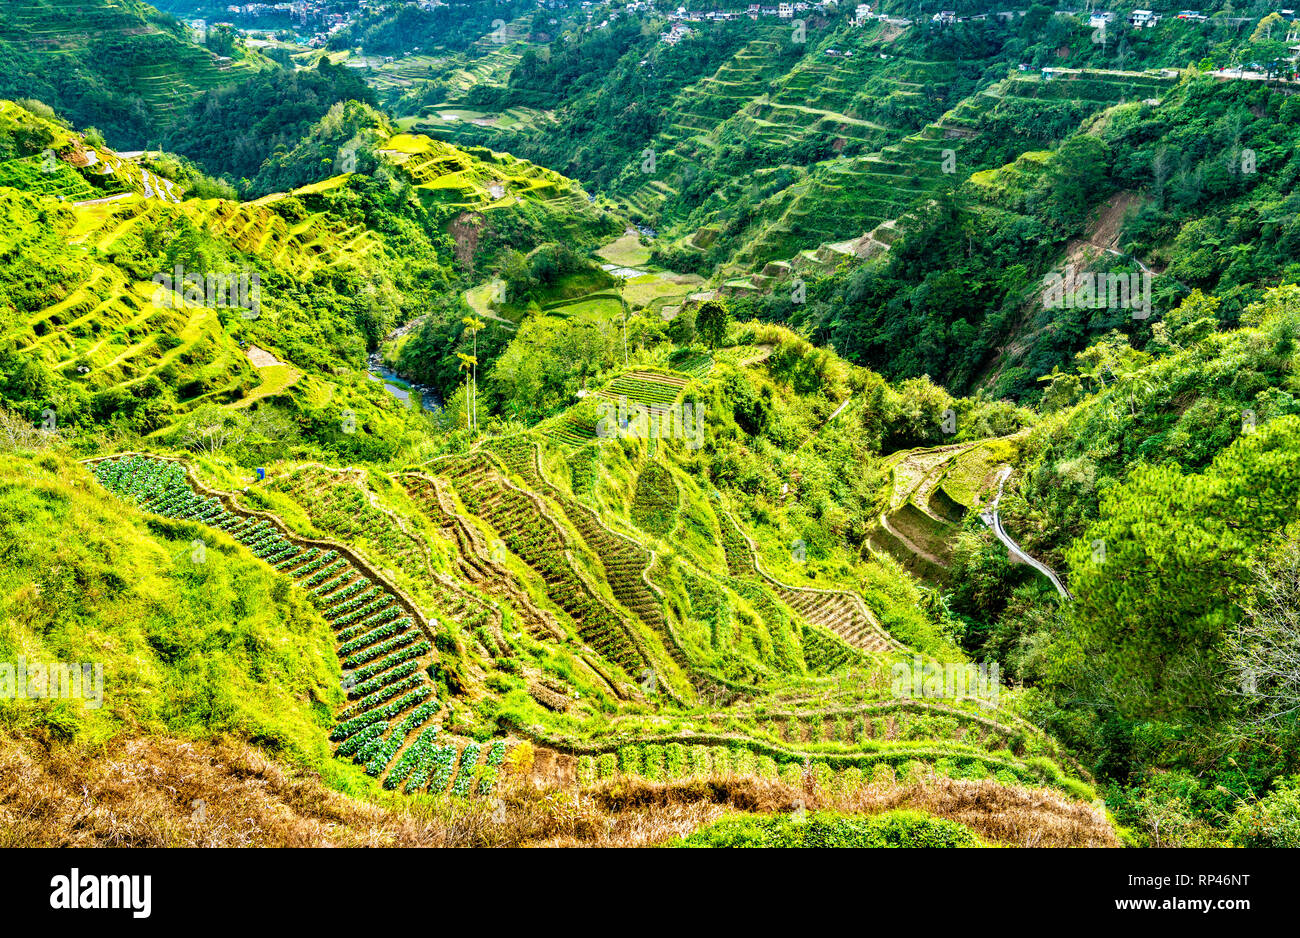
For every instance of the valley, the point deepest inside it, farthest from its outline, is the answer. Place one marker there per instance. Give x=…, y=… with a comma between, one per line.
x=608, y=425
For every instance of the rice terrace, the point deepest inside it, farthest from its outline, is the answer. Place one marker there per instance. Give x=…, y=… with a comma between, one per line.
x=558, y=424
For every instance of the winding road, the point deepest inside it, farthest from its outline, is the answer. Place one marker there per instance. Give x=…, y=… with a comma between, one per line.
x=992, y=519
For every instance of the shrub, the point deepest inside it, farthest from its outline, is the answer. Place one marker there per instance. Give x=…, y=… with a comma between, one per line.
x=652, y=762
x=1273, y=821
x=606, y=765
x=830, y=829
x=629, y=760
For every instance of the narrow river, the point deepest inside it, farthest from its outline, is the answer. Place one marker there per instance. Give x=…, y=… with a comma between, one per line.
x=424, y=398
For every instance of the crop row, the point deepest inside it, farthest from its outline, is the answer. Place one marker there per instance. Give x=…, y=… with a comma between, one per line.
x=534, y=537
x=416, y=755
x=361, y=610
x=403, y=654
x=388, y=711
x=434, y=770
x=362, y=736
x=491, y=765
x=374, y=629
x=468, y=765
x=674, y=761
x=347, y=598
x=383, y=679
x=336, y=503
x=383, y=648
x=386, y=692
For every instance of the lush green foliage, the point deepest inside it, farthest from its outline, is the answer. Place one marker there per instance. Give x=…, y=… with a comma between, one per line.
x=826, y=829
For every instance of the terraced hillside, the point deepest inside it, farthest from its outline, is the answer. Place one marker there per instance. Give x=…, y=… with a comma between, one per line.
x=848, y=208
x=903, y=741
x=217, y=302
x=932, y=490
x=478, y=564
x=840, y=612
x=826, y=143
x=832, y=625
x=626, y=563
x=528, y=531
x=655, y=391
x=393, y=727
x=390, y=727
x=492, y=617
x=477, y=179
x=91, y=58
x=103, y=329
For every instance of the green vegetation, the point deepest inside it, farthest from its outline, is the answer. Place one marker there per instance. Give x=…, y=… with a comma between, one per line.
x=186, y=634
x=824, y=829
x=119, y=65
x=733, y=505
x=232, y=131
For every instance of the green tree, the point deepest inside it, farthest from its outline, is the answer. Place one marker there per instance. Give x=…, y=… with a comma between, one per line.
x=682, y=328
x=711, y=320
x=1078, y=175
x=1159, y=578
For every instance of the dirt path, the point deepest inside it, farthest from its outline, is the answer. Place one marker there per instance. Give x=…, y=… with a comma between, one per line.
x=112, y=198
x=261, y=358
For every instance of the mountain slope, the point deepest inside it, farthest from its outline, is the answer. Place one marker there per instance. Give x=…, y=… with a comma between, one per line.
x=119, y=65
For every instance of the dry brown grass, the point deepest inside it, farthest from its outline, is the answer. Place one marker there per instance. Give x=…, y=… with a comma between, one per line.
x=1006, y=815
x=1012, y=816
x=146, y=792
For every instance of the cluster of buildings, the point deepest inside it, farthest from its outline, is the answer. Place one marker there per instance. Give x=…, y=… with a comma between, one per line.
x=786, y=11
x=676, y=34
x=317, y=14
x=309, y=14
x=1138, y=19
x=298, y=9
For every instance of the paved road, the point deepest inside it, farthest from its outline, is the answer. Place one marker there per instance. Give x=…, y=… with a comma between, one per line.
x=991, y=519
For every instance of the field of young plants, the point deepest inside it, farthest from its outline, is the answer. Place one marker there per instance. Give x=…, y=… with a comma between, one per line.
x=650, y=388
x=625, y=562
x=670, y=759
x=536, y=539
x=338, y=501
x=387, y=727
x=819, y=715
x=394, y=724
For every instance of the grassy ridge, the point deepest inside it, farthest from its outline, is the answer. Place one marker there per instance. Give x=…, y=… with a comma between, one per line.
x=192, y=649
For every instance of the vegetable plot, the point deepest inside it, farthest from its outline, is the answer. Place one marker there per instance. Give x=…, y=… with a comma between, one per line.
x=382, y=649
x=536, y=539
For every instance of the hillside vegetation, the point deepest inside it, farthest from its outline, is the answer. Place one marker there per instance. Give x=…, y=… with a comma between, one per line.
x=422, y=470
x=118, y=65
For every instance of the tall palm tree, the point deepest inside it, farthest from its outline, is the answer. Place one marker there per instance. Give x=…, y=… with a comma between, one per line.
x=622, y=285
x=473, y=324
x=467, y=363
